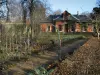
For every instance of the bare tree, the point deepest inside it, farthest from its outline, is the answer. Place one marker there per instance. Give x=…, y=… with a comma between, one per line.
x=2, y=3
x=98, y=3
x=37, y=11
x=7, y=6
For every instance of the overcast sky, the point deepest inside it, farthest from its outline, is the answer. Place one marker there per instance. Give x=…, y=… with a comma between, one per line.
x=73, y=5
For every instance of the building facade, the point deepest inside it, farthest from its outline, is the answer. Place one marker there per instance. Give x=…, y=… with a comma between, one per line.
x=66, y=22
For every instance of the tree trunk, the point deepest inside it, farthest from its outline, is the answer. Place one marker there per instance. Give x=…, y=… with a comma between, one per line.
x=7, y=19
x=24, y=17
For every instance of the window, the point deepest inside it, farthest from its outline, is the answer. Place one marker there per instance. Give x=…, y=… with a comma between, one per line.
x=73, y=28
x=48, y=28
x=60, y=27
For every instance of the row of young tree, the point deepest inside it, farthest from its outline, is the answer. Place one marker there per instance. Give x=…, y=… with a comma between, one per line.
x=20, y=26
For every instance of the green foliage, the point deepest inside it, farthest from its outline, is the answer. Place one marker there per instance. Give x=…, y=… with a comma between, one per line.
x=96, y=10
x=39, y=71
x=72, y=37
x=42, y=71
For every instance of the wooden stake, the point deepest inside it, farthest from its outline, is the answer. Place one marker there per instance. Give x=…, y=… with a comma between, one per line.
x=98, y=35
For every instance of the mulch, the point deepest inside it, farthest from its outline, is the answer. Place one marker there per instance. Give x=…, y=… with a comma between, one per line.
x=84, y=61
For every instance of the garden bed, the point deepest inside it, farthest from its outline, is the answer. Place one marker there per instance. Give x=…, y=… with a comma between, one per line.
x=45, y=45
x=48, y=67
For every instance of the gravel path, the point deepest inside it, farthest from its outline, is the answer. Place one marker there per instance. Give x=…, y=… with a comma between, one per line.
x=84, y=61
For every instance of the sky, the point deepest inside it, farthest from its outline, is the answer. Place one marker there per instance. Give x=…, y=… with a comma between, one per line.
x=73, y=6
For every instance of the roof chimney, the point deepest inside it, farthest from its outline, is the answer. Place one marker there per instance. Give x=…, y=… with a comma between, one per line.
x=77, y=12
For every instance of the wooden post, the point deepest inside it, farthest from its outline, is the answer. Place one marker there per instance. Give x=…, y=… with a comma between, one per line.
x=98, y=35
x=63, y=28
